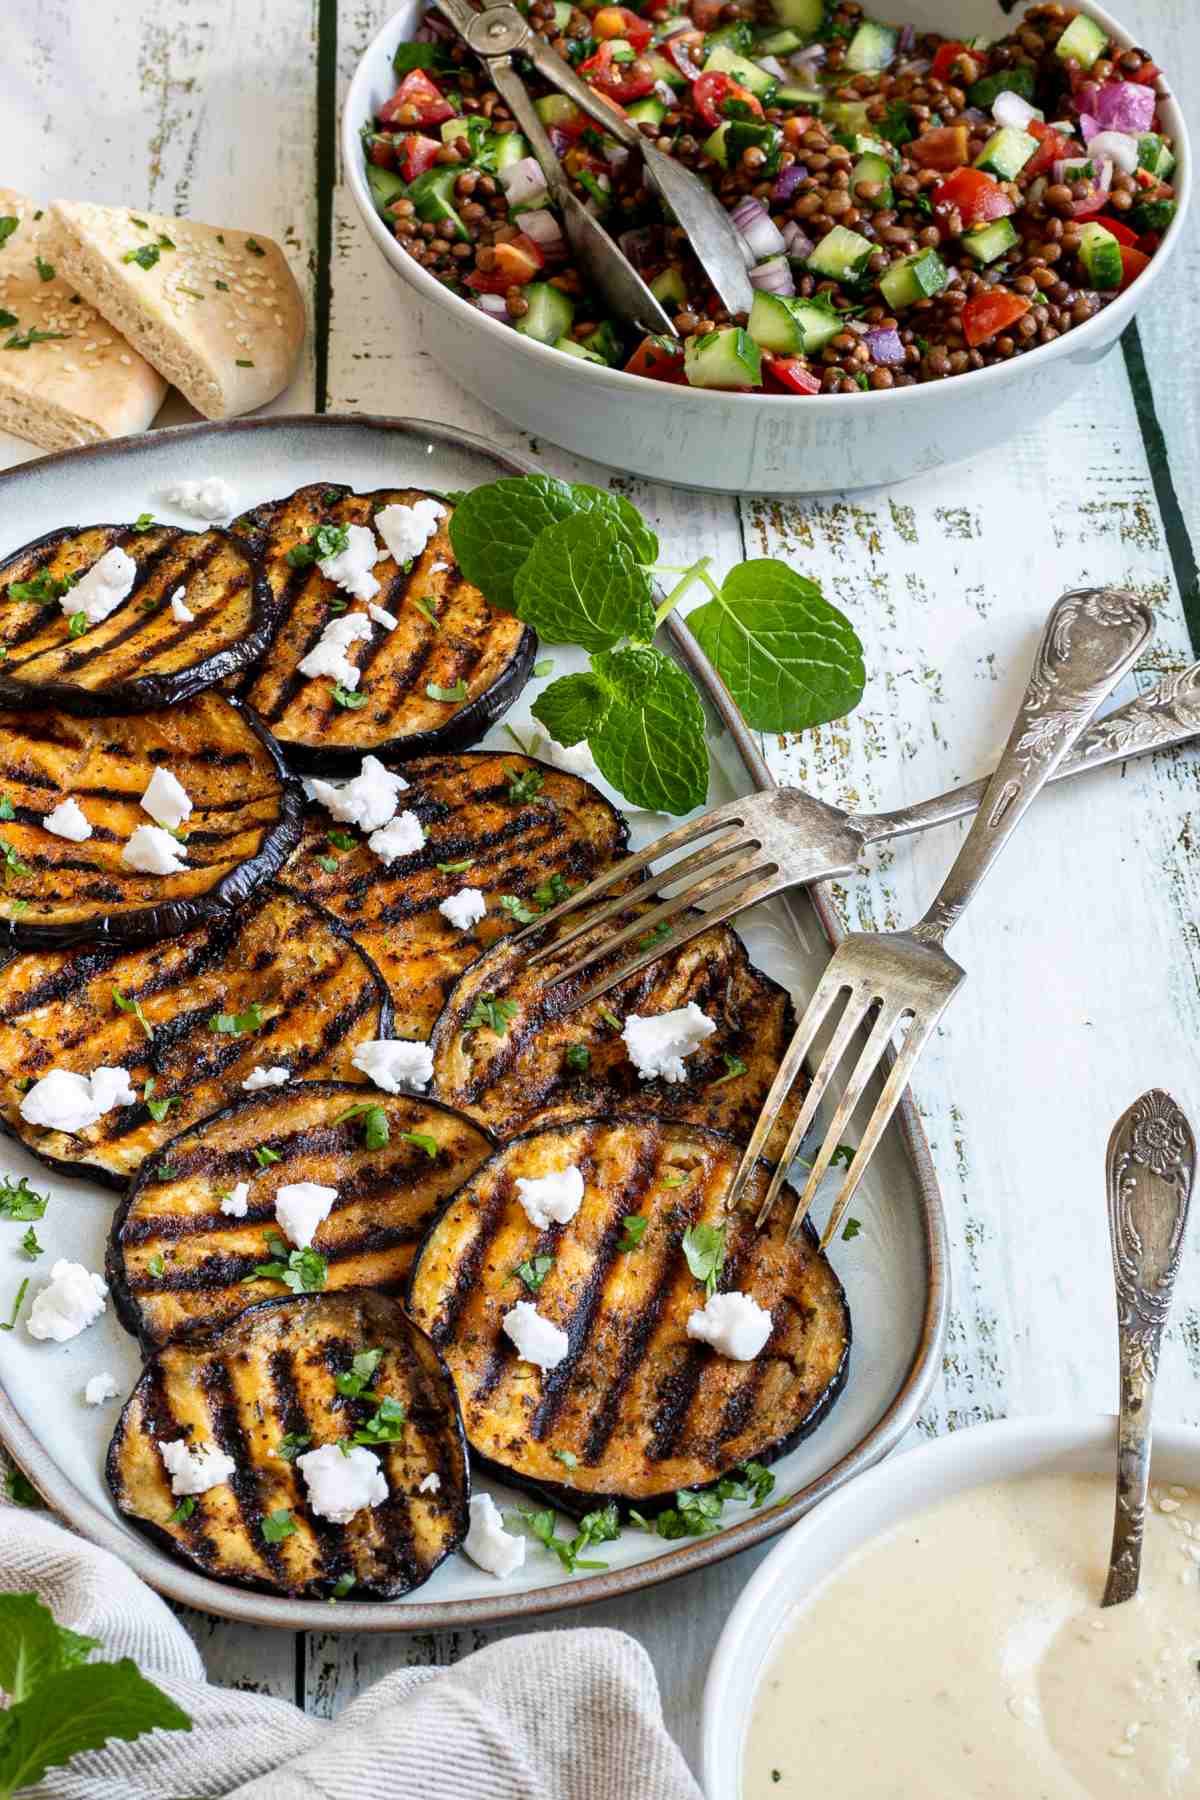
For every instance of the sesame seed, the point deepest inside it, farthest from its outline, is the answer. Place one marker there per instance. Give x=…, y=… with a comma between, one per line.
x=1168, y=1506
x=128, y=361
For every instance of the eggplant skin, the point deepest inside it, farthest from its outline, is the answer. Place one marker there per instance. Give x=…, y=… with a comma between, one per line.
x=492, y=652
x=205, y=1259
x=320, y=997
x=642, y=1409
x=247, y=820
x=271, y=1372
x=566, y=833
x=139, y=657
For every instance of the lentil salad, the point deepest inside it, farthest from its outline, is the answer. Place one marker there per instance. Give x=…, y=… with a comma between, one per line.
x=910, y=207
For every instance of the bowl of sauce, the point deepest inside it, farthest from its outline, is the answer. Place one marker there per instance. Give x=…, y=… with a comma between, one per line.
x=934, y=1632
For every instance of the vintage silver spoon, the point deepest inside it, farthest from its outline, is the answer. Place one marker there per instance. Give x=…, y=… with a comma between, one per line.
x=1151, y=1168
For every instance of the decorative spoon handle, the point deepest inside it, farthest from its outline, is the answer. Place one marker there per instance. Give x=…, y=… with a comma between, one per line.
x=1151, y=1167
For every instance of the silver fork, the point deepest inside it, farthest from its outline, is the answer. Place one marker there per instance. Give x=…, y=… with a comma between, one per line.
x=906, y=977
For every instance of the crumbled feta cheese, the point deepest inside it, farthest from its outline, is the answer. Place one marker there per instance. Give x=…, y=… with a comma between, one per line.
x=328, y=654
x=488, y=1544
x=236, y=1202
x=211, y=498
x=71, y=1300
x=259, y=1078
x=437, y=567
x=407, y=529
x=732, y=1323
x=658, y=1044
x=395, y=1064
x=351, y=567
x=401, y=836
x=432, y=1483
x=300, y=1207
x=64, y=1101
x=99, y=1389
x=553, y=1198
x=109, y=581
x=166, y=800
x=537, y=1340
x=383, y=617
x=68, y=820
x=341, y=1485
x=464, y=909
x=194, y=1471
x=368, y=801
x=576, y=759
x=181, y=612
x=153, y=851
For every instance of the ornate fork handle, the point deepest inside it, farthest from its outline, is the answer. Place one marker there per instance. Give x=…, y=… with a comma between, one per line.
x=1092, y=637
x=1151, y=1166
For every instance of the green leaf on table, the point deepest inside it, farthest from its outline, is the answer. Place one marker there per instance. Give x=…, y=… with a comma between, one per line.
x=80, y=1709
x=33, y=1647
x=787, y=656
x=570, y=707
x=583, y=586
x=650, y=741
x=621, y=516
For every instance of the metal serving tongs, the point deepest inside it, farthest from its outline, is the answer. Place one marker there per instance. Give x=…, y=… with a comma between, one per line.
x=495, y=34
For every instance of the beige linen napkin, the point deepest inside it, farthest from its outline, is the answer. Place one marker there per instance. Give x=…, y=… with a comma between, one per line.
x=560, y=1715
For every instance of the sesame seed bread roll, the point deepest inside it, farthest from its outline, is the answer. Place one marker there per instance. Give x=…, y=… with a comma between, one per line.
x=81, y=381
x=217, y=312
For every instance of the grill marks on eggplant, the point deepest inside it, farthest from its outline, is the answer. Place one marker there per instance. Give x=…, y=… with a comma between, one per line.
x=272, y=1371
x=643, y=1409
x=140, y=656
x=386, y=1199
x=513, y=847
x=246, y=818
x=490, y=651
x=319, y=995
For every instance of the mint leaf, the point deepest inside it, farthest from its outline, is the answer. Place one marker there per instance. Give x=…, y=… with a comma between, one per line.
x=704, y=1250
x=33, y=1647
x=80, y=1709
x=493, y=529
x=787, y=656
x=621, y=516
x=650, y=741
x=584, y=586
x=570, y=708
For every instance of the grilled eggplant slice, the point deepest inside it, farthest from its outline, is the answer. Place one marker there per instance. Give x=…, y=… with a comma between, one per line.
x=255, y=1387
x=141, y=656
x=246, y=818
x=465, y=644
x=637, y=1409
x=533, y=848
x=506, y=1050
x=277, y=982
x=176, y=1260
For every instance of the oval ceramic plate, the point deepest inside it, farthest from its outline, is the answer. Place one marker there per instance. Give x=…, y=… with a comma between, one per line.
x=894, y=1271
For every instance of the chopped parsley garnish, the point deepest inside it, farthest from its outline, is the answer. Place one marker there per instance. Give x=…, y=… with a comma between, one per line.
x=611, y=1019
x=161, y=1109
x=143, y=523
x=243, y=362
x=254, y=247
x=12, y=864
x=633, y=1230
x=698, y=1515
x=851, y=1230
x=599, y=1527
x=342, y=840
x=10, y=1323
x=165, y=1170
x=456, y=868
x=145, y=256
x=675, y=1178
x=844, y=1154
x=264, y=1157
x=386, y=1426
x=524, y=785
x=43, y=588
x=358, y=1376
x=8, y=224
x=347, y=697
x=660, y=932
x=7, y=318
x=46, y=271
x=77, y=624
x=517, y=909
x=426, y=605
x=278, y=1525
x=533, y=1271
x=238, y=1024
x=734, y=1066
x=29, y=1243
x=328, y=863
x=376, y=1130
x=544, y=667
x=26, y=339
x=704, y=1248
x=449, y=695
x=7, y=809
x=495, y=1015
x=303, y=1271
x=222, y=285
x=20, y=1490
x=19, y=1201
x=326, y=541
x=567, y=1458
x=550, y=892
x=155, y=1264
x=190, y=292
x=578, y=1057
x=183, y=1511
x=342, y=1587
x=291, y=1444
x=423, y=1141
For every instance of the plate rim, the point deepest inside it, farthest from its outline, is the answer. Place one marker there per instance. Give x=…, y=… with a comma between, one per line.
x=175, y=1581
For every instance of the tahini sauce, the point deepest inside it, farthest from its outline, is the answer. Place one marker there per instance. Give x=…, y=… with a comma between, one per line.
x=964, y=1656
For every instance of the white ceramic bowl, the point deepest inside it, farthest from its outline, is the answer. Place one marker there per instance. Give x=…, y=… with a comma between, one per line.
x=748, y=443
x=872, y=1504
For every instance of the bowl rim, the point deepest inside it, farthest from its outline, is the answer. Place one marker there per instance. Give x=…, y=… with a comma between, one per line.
x=957, y=1461
x=1095, y=334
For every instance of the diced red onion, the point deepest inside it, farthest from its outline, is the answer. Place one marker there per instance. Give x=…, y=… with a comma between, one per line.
x=437, y=27
x=685, y=62
x=615, y=154
x=906, y=40
x=1124, y=106
x=523, y=180
x=1037, y=188
x=754, y=225
x=773, y=66
x=424, y=34
x=799, y=244
x=916, y=65
x=546, y=232
x=806, y=61
x=1066, y=127
x=560, y=141
x=1013, y=109
x=1084, y=97
x=1118, y=145
x=665, y=92
x=642, y=246
x=885, y=346
x=494, y=305
x=973, y=116
x=773, y=276
x=856, y=326
x=683, y=23
x=788, y=180
x=1069, y=170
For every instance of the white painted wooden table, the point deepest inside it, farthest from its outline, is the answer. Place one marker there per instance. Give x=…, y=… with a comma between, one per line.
x=1084, y=950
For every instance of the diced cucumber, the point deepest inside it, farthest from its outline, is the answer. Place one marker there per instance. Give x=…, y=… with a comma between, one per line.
x=779, y=43
x=805, y=16
x=869, y=146
x=664, y=69
x=982, y=93
x=840, y=254
x=872, y=47
x=669, y=287
x=1006, y=153
x=556, y=109
x=1155, y=156
x=915, y=277
x=987, y=242
x=604, y=342
x=1152, y=215
x=647, y=112
x=742, y=69
x=849, y=116
x=818, y=324
x=1081, y=42
x=1100, y=254
x=871, y=170
x=725, y=358
x=804, y=99
x=386, y=186
x=562, y=14
x=773, y=325
x=737, y=36
x=550, y=313
x=432, y=194
x=569, y=347
x=748, y=134
x=714, y=146
x=510, y=147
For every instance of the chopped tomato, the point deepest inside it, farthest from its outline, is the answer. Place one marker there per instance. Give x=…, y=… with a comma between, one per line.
x=944, y=61
x=381, y=150
x=517, y=262
x=1119, y=230
x=948, y=147
x=621, y=81
x=1148, y=242
x=619, y=22
x=975, y=196
x=787, y=374
x=713, y=92
x=686, y=51
x=1052, y=147
x=1148, y=74
x=987, y=314
x=418, y=154
x=423, y=96
x=661, y=358
x=1132, y=263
